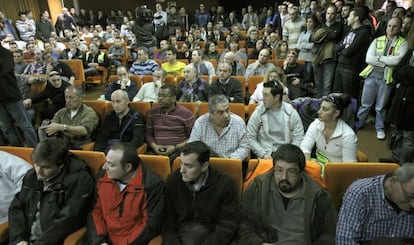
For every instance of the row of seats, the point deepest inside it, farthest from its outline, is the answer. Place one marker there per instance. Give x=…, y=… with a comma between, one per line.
x=337, y=177
x=198, y=109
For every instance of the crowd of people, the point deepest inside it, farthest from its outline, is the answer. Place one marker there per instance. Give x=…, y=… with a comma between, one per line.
x=315, y=51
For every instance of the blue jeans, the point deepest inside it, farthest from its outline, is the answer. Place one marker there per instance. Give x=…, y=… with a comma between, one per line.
x=19, y=114
x=376, y=91
x=324, y=75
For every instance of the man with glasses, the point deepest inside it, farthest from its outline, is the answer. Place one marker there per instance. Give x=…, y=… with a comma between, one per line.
x=285, y=206
x=124, y=83
x=379, y=209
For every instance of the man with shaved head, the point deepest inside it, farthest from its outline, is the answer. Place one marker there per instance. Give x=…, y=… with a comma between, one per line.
x=123, y=124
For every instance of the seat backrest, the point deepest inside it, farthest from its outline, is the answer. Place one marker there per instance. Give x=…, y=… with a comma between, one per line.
x=160, y=165
x=99, y=107
x=252, y=83
x=192, y=106
x=238, y=109
x=230, y=166
x=94, y=159
x=142, y=107
x=134, y=78
x=77, y=67
x=250, y=110
x=338, y=176
x=23, y=152
x=242, y=82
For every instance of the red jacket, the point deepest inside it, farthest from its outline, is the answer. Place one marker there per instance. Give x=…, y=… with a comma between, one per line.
x=133, y=215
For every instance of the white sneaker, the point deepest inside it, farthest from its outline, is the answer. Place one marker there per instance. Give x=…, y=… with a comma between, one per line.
x=381, y=135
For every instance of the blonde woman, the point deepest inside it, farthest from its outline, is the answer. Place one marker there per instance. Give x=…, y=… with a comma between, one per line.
x=274, y=74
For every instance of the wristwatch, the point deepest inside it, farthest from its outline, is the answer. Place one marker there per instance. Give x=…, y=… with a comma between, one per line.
x=65, y=127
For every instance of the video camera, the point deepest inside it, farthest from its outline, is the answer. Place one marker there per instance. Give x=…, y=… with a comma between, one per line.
x=144, y=14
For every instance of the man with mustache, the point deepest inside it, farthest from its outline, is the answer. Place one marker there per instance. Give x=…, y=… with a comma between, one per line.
x=285, y=206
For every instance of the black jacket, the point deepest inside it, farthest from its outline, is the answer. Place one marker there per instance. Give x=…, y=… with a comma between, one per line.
x=134, y=135
x=231, y=89
x=9, y=91
x=215, y=206
x=56, y=95
x=64, y=205
x=352, y=55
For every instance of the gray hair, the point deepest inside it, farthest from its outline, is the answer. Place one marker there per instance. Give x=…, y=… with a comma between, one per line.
x=405, y=173
x=78, y=90
x=123, y=94
x=216, y=100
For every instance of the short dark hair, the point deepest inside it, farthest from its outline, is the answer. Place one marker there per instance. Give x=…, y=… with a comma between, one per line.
x=51, y=150
x=171, y=88
x=172, y=49
x=361, y=12
x=129, y=154
x=199, y=148
x=291, y=154
x=275, y=88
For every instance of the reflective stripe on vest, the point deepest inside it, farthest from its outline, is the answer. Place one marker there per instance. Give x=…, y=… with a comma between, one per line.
x=381, y=44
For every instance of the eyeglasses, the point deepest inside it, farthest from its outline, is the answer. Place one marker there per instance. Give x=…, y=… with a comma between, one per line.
x=290, y=173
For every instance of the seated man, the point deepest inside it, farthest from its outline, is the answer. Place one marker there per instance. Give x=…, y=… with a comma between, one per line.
x=123, y=83
x=237, y=68
x=227, y=85
x=285, y=206
x=55, y=197
x=121, y=125
x=378, y=209
x=192, y=88
x=94, y=58
x=75, y=123
x=201, y=201
x=12, y=171
x=168, y=125
x=64, y=69
x=143, y=65
x=273, y=123
x=116, y=52
x=172, y=66
x=261, y=65
x=149, y=91
x=55, y=91
x=223, y=131
x=130, y=201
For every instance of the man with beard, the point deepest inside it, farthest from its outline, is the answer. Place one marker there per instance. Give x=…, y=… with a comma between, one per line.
x=286, y=206
x=224, y=132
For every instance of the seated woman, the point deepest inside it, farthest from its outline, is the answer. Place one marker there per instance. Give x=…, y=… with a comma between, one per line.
x=210, y=51
x=275, y=74
x=334, y=139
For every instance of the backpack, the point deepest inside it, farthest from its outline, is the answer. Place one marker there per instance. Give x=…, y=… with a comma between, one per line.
x=308, y=111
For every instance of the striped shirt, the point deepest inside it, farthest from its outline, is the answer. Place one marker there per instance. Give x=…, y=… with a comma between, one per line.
x=169, y=128
x=366, y=215
x=146, y=68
